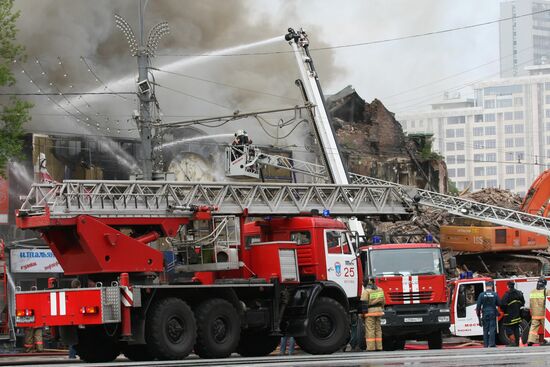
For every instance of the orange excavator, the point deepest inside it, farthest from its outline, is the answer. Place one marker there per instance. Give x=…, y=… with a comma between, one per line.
x=504, y=250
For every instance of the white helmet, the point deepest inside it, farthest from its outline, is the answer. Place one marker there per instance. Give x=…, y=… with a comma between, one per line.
x=240, y=132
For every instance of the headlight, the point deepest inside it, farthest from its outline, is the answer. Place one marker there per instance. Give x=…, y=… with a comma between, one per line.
x=444, y=310
x=443, y=319
x=382, y=321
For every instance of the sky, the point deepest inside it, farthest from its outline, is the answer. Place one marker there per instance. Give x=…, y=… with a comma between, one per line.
x=73, y=46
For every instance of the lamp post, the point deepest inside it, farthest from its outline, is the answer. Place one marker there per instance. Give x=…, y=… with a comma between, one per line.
x=146, y=93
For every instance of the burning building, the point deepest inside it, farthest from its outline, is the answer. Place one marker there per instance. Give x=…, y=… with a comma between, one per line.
x=374, y=144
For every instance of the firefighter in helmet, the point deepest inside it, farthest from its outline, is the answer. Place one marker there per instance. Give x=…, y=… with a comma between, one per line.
x=537, y=300
x=241, y=138
x=511, y=304
x=375, y=302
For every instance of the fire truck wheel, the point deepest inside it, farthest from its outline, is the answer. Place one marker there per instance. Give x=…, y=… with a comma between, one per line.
x=218, y=329
x=95, y=346
x=170, y=329
x=137, y=352
x=327, y=329
x=399, y=344
x=257, y=344
x=435, y=340
x=389, y=343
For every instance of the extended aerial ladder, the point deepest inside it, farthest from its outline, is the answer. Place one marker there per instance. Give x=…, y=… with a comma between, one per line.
x=336, y=172
x=413, y=197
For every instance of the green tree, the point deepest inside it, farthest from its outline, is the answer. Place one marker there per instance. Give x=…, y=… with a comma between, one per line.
x=13, y=111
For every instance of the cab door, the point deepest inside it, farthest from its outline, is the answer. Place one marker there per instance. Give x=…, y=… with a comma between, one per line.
x=464, y=309
x=341, y=261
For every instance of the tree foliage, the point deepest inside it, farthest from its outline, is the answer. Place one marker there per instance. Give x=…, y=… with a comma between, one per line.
x=13, y=111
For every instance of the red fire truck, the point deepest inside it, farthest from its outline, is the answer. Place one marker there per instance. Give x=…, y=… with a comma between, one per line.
x=281, y=284
x=411, y=275
x=414, y=283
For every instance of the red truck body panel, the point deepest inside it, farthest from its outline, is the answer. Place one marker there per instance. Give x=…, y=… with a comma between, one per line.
x=57, y=308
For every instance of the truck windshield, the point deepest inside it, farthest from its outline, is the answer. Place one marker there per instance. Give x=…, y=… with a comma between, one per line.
x=410, y=261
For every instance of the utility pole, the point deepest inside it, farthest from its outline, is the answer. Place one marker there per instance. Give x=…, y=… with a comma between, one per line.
x=144, y=50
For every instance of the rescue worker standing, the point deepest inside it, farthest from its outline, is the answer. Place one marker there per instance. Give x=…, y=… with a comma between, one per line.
x=537, y=304
x=486, y=311
x=33, y=340
x=375, y=300
x=511, y=304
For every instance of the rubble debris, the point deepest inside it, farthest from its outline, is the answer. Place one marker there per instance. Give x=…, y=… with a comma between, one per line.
x=428, y=220
x=373, y=143
x=498, y=197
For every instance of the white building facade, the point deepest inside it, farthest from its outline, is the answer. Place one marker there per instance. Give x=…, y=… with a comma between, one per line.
x=524, y=35
x=499, y=139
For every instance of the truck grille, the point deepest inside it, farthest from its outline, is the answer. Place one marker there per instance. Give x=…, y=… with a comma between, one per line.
x=411, y=296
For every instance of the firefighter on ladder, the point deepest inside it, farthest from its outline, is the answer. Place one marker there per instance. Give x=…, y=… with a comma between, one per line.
x=241, y=140
x=375, y=302
x=537, y=300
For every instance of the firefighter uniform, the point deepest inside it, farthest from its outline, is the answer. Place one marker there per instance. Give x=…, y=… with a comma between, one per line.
x=486, y=310
x=33, y=340
x=375, y=300
x=511, y=304
x=537, y=304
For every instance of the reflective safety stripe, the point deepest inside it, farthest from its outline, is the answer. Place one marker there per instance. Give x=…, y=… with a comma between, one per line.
x=38, y=342
x=374, y=314
x=536, y=295
x=377, y=294
x=538, y=317
x=514, y=301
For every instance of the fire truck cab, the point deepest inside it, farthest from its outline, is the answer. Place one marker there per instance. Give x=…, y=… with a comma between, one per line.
x=325, y=248
x=414, y=283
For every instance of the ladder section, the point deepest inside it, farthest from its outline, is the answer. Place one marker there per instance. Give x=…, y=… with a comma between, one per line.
x=464, y=208
x=174, y=199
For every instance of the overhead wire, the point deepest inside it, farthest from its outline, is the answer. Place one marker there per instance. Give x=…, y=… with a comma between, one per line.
x=194, y=97
x=385, y=40
x=428, y=97
x=452, y=75
x=223, y=84
x=96, y=76
x=69, y=102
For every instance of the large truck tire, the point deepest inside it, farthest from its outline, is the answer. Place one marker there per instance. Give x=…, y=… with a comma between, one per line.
x=257, y=343
x=523, y=332
x=137, y=352
x=328, y=328
x=96, y=346
x=399, y=344
x=390, y=343
x=435, y=340
x=170, y=329
x=218, y=329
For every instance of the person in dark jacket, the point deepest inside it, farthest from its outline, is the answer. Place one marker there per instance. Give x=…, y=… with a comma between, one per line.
x=511, y=304
x=487, y=312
